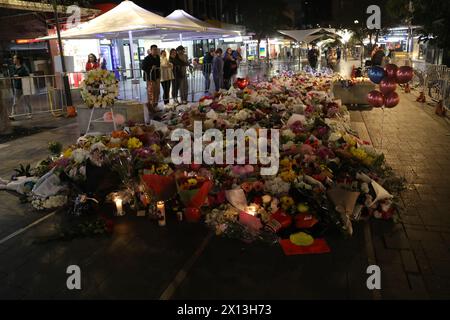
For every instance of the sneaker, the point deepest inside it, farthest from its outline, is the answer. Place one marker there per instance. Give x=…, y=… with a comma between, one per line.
x=29, y=116
x=12, y=118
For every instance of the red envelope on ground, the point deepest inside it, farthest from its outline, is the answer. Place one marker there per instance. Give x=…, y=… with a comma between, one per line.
x=319, y=246
x=305, y=221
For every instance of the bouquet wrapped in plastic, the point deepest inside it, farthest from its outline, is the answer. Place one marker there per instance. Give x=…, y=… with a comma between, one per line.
x=163, y=187
x=193, y=191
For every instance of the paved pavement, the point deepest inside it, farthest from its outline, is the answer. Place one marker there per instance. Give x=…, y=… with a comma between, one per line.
x=415, y=252
x=144, y=261
x=28, y=150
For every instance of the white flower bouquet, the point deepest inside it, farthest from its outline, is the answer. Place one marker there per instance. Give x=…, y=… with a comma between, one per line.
x=99, y=89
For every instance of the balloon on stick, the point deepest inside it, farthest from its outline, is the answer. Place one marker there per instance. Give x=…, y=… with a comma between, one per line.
x=376, y=74
x=375, y=98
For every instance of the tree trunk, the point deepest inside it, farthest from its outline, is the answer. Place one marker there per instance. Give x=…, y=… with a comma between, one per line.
x=5, y=125
x=257, y=49
x=362, y=54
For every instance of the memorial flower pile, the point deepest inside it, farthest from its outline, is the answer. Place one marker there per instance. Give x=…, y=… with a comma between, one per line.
x=326, y=177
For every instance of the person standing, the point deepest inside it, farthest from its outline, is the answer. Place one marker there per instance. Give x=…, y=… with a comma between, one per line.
x=236, y=54
x=92, y=62
x=332, y=59
x=207, y=67
x=229, y=68
x=377, y=56
x=166, y=75
x=175, y=84
x=103, y=63
x=217, y=69
x=152, y=68
x=20, y=70
x=338, y=54
x=313, y=55
x=181, y=63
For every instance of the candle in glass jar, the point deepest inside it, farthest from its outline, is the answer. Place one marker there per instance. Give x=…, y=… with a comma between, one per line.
x=119, y=208
x=161, y=213
x=251, y=210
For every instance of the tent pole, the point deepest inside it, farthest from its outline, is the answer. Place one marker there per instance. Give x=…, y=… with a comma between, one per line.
x=130, y=39
x=181, y=39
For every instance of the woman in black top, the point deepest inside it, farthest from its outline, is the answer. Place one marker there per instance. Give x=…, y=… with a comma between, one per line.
x=229, y=68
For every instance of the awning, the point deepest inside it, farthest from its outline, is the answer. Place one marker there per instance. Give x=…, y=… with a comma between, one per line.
x=117, y=22
x=29, y=46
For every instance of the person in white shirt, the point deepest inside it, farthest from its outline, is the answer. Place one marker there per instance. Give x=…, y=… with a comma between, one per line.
x=166, y=76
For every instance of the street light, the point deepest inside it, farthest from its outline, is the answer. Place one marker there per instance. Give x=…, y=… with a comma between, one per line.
x=356, y=21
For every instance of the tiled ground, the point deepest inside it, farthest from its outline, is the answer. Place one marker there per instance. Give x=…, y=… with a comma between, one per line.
x=414, y=254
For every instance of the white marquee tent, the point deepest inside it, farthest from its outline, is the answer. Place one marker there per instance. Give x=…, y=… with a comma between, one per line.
x=208, y=31
x=119, y=21
x=309, y=35
x=185, y=18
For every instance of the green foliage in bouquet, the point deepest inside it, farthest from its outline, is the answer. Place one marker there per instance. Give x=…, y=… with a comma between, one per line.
x=23, y=171
x=55, y=148
x=42, y=167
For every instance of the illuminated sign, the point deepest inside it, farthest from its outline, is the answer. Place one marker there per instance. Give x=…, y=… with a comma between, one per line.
x=23, y=41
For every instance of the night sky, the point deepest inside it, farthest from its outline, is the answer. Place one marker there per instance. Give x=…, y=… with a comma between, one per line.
x=312, y=12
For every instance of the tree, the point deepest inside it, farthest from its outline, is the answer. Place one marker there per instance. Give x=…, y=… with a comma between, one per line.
x=264, y=18
x=431, y=15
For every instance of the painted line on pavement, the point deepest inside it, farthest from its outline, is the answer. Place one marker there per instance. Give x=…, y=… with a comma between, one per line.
x=181, y=275
x=22, y=230
x=370, y=249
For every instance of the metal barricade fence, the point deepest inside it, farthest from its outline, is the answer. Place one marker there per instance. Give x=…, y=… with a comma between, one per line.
x=199, y=79
x=133, y=84
x=24, y=96
x=438, y=82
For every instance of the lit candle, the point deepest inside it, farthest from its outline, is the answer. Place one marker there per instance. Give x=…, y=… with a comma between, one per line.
x=161, y=213
x=119, y=208
x=251, y=210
